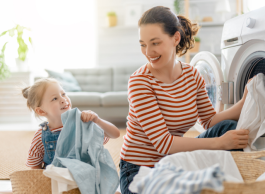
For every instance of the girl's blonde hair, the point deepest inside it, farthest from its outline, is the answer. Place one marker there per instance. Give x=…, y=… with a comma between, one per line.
x=34, y=94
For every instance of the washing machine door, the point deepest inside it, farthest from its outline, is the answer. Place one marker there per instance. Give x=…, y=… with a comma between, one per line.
x=209, y=67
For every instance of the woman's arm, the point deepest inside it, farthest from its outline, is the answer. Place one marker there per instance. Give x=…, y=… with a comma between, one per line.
x=232, y=113
x=110, y=130
x=235, y=139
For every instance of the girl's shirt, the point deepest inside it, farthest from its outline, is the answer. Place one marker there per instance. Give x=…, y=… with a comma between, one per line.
x=36, y=150
x=160, y=111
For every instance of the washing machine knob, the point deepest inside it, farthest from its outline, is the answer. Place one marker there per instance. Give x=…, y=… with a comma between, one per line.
x=250, y=22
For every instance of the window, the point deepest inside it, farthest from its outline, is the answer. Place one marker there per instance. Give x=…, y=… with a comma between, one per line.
x=63, y=31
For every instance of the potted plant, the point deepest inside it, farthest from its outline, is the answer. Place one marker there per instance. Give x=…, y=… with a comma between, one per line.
x=178, y=5
x=196, y=47
x=112, y=18
x=4, y=70
x=22, y=46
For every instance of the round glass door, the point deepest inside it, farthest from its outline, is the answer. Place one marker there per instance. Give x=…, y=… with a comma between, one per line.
x=209, y=78
x=209, y=67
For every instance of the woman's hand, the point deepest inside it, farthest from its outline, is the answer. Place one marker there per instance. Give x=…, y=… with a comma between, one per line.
x=234, y=139
x=89, y=115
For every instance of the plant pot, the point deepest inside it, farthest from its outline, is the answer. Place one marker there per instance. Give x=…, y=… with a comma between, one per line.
x=22, y=65
x=196, y=48
x=112, y=21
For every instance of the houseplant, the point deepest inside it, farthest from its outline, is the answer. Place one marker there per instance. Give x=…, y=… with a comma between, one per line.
x=4, y=70
x=112, y=19
x=178, y=5
x=196, y=45
x=22, y=50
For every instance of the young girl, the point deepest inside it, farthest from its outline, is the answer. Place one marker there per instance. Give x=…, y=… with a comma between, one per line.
x=48, y=99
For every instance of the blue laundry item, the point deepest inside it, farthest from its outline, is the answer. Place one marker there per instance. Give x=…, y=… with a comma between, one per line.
x=167, y=178
x=80, y=149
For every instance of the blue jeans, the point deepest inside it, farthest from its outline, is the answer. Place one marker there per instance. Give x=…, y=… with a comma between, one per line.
x=129, y=170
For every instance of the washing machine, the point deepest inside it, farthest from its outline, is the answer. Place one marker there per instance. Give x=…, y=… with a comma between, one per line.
x=242, y=57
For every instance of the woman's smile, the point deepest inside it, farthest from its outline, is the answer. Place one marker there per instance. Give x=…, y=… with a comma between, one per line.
x=154, y=59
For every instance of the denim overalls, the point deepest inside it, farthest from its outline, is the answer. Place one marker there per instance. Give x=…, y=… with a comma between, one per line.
x=49, y=140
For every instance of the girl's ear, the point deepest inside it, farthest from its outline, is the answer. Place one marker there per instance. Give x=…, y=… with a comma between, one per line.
x=40, y=112
x=177, y=38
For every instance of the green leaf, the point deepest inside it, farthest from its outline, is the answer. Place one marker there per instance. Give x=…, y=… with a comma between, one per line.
x=3, y=33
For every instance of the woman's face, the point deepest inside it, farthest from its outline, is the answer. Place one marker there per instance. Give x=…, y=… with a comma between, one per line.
x=157, y=46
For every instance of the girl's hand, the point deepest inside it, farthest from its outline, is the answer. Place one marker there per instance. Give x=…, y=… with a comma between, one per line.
x=89, y=115
x=234, y=139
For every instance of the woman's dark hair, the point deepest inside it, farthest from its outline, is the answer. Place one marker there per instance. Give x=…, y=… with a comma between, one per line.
x=171, y=24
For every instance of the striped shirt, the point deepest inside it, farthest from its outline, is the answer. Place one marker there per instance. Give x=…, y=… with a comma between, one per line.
x=160, y=111
x=36, y=150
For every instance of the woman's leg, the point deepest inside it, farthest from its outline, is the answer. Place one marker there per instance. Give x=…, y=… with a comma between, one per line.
x=219, y=129
x=127, y=172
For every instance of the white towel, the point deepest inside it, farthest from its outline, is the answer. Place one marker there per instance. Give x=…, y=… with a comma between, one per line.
x=61, y=179
x=196, y=160
x=252, y=115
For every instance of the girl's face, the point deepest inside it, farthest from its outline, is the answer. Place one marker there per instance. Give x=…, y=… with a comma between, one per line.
x=157, y=46
x=55, y=102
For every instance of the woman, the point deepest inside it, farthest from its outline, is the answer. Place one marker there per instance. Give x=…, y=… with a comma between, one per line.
x=167, y=97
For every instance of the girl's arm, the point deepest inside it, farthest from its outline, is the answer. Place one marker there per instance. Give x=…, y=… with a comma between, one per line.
x=110, y=130
x=37, y=167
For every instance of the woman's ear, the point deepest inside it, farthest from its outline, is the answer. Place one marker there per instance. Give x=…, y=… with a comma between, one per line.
x=40, y=112
x=177, y=38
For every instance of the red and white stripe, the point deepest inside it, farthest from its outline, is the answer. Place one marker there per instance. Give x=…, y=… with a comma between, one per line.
x=159, y=111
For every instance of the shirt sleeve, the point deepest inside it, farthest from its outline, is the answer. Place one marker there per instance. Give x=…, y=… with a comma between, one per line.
x=205, y=108
x=142, y=99
x=36, y=151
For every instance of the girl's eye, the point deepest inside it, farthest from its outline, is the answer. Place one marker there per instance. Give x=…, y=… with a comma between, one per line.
x=54, y=99
x=63, y=94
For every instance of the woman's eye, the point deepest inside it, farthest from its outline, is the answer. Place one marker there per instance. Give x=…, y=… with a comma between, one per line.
x=155, y=43
x=63, y=94
x=54, y=99
x=142, y=45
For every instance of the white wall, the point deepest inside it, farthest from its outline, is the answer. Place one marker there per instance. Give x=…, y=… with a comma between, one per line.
x=120, y=45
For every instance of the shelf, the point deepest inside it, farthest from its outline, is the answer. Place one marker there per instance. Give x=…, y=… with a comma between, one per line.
x=119, y=27
x=210, y=24
x=202, y=1
x=216, y=54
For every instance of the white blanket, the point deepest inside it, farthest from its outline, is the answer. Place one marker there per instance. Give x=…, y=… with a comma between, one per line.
x=252, y=115
x=196, y=160
x=61, y=179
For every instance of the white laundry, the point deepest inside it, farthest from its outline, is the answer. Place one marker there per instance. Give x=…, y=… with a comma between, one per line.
x=261, y=177
x=196, y=160
x=61, y=179
x=252, y=115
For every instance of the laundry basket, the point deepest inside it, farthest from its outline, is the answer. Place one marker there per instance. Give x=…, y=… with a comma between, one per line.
x=33, y=182
x=250, y=168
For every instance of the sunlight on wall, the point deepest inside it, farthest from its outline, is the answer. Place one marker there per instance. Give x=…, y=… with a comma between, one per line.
x=251, y=5
x=63, y=32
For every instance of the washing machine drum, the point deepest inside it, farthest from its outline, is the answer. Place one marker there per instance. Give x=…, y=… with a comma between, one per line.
x=252, y=67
